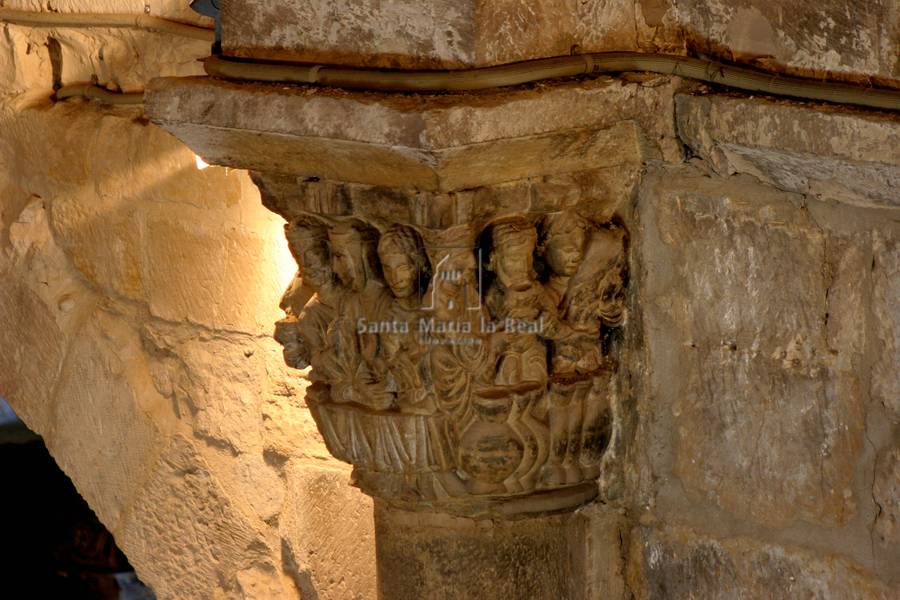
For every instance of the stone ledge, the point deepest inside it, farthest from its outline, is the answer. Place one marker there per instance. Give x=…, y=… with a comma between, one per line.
x=828, y=152
x=434, y=143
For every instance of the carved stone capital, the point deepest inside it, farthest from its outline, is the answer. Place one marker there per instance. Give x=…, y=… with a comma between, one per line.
x=461, y=366
x=461, y=323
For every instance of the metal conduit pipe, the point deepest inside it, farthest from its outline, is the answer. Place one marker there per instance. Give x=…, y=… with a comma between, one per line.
x=95, y=92
x=550, y=68
x=145, y=22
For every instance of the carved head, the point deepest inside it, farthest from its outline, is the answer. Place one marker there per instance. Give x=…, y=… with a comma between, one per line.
x=599, y=288
x=353, y=255
x=512, y=258
x=403, y=260
x=612, y=285
x=454, y=287
x=564, y=236
x=308, y=242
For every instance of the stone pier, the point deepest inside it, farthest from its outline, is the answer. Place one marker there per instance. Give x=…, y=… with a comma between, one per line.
x=607, y=337
x=463, y=307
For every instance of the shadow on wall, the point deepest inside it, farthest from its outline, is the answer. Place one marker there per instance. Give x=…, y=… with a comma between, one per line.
x=51, y=543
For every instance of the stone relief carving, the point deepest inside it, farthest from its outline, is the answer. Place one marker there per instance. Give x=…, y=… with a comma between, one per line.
x=457, y=364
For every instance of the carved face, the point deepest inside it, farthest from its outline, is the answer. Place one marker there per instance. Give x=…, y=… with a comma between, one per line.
x=565, y=252
x=514, y=266
x=612, y=294
x=309, y=246
x=314, y=267
x=400, y=273
x=346, y=260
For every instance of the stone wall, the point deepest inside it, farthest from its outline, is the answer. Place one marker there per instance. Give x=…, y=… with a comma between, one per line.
x=762, y=457
x=858, y=41
x=765, y=449
x=137, y=303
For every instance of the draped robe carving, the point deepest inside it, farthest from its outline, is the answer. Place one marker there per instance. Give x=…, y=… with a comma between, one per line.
x=458, y=364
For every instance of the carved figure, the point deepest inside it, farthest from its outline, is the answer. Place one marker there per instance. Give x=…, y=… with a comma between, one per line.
x=406, y=443
x=405, y=267
x=351, y=364
x=597, y=292
x=515, y=300
x=302, y=333
x=435, y=390
x=499, y=443
x=457, y=366
x=563, y=245
x=585, y=283
x=455, y=289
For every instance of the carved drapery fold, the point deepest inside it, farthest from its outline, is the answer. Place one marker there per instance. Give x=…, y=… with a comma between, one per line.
x=458, y=354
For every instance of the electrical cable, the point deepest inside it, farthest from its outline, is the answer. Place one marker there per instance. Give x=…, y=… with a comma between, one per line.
x=96, y=92
x=550, y=68
x=385, y=80
x=145, y=22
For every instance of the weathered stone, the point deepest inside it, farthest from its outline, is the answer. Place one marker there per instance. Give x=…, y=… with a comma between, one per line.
x=250, y=481
x=20, y=67
x=288, y=428
x=239, y=398
x=33, y=356
x=216, y=265
x=327, y=533
x=603, y=550
x=797, y=37
x=792, y=37
x=601, y=192
x=106, y=408
x=446, y=557
x=848, y=257
x=118, y=59
x=830, y=153
x=93, y=202
x=185, y=536
x=445, y=143
x=105, y=243
x=886, y=492
x=445, y=34
x=755, y=389
x=117, y=213
x=676, y=563
x=886, y=309
x=264, y=582
x=40, y=289
x=171, y=9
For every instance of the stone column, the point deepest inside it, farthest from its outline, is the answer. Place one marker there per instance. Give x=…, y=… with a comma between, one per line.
x=460, y=300
x=424, y=554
